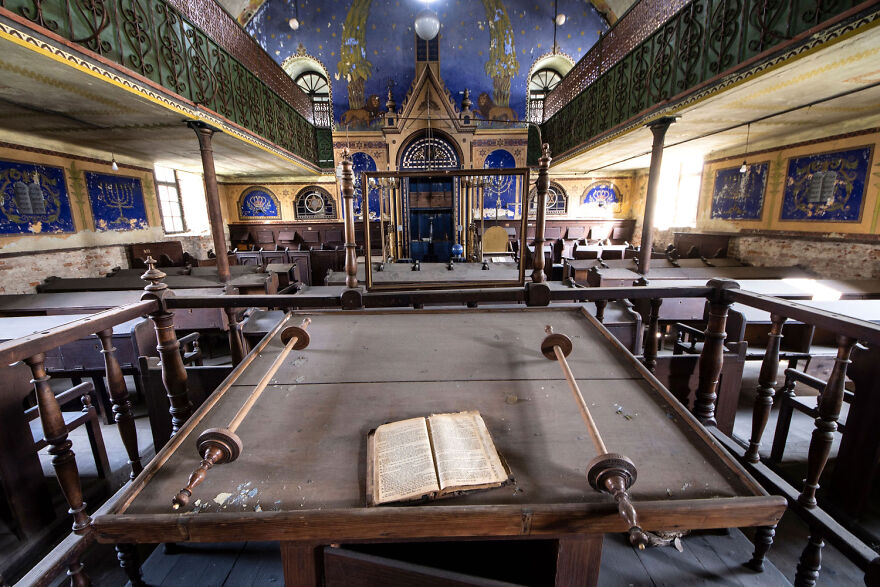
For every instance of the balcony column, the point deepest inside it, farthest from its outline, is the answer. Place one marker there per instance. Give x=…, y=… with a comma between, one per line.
x=215, y=216
x=659, y=128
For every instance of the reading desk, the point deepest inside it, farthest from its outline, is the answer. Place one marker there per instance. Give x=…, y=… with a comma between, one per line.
x=301, y=476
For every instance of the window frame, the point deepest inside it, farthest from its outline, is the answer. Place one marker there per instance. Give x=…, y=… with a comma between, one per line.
x=162, y=212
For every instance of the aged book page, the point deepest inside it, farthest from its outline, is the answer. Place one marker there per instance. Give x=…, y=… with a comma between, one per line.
x=402, y=461
x=465, y=454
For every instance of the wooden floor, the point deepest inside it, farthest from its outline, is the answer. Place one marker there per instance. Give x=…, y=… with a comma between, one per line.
x=707, y=559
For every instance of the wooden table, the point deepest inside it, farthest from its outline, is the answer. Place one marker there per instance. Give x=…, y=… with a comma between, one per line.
x=394, y=273
x=248, y=283
x=89, y=302
x=614, y=276
x=300, y=478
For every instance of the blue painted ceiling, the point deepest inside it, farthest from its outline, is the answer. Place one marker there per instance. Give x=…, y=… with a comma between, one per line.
x=374, y=39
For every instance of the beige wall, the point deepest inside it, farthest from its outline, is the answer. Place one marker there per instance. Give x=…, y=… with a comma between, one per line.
x=778, y=160
x=27, y=260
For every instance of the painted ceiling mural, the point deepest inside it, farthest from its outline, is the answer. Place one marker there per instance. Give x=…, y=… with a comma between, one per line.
x=368, y=46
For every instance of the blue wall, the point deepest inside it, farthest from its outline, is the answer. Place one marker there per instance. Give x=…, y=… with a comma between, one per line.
x=388, y=41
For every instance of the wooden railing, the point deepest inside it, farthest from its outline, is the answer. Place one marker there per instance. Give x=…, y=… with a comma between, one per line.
x=662, y=50
x=719, y=293
x=193, y=49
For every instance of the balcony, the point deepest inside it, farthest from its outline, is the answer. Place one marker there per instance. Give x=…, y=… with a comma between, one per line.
x=662, y=53
x=192, y=50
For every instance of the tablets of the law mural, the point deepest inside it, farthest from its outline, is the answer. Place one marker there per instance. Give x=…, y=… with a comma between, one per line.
x=34, y=199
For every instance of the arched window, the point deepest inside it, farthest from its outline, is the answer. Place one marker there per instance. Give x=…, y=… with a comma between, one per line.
x=557, y=200
x=314, y=203
x=540, y=84
x=316, y=87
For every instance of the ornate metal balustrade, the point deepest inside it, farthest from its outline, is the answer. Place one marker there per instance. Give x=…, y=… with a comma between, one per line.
x=192, y=48
x=663, y=48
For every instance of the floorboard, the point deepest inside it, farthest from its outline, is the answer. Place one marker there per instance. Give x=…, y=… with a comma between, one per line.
x=707, y=560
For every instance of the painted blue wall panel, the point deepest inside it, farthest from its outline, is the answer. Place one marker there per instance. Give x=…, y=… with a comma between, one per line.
x=117, y=202
x=34, y=199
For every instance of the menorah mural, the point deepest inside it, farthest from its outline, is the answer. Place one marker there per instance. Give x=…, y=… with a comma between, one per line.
x=117, y=202
x=33, y=199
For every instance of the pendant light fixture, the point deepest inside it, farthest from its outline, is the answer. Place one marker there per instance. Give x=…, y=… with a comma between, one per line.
x=427, y=24
x=113, y=164
x=745, y=165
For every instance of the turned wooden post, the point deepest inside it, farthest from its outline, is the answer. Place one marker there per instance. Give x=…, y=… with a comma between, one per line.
x=766, y=387
x=810, y=562
x=55, y=432
x=712, y=358
x=541, y=187
x=121, y=406
x=826, y=423
x=173, y=371
x=600, y=310
x=129, y=561
x=763, y=541
x=653, y=338
x=346, y=188
x=236, y=343
x=77, y=575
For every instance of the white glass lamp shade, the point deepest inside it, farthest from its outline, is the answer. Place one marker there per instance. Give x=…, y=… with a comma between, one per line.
x=427, y=24
x=294, y=23
x=560, y=19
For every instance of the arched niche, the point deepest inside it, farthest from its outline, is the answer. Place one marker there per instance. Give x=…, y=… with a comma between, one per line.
x=258, y=203
x=500, y=195
x=314, y=203
x=422, y=151
x=557, y=200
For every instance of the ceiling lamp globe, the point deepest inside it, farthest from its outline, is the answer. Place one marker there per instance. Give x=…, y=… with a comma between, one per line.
x=427, y=24
x=560, y=19
x=294, y=23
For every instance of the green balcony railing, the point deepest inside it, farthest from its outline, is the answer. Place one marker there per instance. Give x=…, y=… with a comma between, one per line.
x=643, y=62
x=224, y=71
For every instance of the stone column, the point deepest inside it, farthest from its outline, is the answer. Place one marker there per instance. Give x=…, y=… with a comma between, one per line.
x=215, y=216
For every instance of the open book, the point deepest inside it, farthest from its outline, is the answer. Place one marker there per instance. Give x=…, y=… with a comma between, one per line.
x=429, y=458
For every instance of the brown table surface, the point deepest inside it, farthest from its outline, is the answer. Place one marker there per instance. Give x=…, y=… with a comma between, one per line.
x=665, y=273
x=868, y=310
x=304, y=454
x=395, y=273
x=18, y=326
x=78, y=302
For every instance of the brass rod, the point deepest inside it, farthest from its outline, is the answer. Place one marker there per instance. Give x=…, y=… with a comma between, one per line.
x=264, y=382
x=579, y=398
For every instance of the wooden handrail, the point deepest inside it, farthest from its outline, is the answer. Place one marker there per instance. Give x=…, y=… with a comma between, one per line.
x=44, y=340
x=839, y=324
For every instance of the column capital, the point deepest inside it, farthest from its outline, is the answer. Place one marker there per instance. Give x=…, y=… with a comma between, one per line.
x=662, y=123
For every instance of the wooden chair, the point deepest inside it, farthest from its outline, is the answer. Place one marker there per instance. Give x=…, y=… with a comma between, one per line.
x=72, y=420
x=495, y=240
x=24, y=491
x=789, y=401
x=278, y=255
x=201, y=381
x=249, y=257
